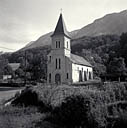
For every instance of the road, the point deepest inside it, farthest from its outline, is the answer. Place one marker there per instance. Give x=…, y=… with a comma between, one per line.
x=8, y=92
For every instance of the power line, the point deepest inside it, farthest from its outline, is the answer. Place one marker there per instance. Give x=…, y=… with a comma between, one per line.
x=7, y=48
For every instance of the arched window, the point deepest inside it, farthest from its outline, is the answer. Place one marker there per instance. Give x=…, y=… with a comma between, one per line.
x=59, y=44
x=90, y=75
x=67, y=76
x=85, y=76
x=67, y=44
x=49, y=58
x=56, y=44
x=80, y=76
x=49, y=77
x=56, y=63
x=87, y=70
x=59, y=63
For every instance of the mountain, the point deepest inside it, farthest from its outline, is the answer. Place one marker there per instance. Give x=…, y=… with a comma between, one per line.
x=45, y=40
x=111, y=24
x=42, y=41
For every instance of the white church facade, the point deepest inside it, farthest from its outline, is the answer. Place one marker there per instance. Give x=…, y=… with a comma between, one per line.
x=63, y=66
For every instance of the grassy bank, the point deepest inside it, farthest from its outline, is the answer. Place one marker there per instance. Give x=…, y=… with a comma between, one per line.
x=68, y=106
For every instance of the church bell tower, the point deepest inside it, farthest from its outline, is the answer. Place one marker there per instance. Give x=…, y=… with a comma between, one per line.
x=61, y=39
x=60, y=51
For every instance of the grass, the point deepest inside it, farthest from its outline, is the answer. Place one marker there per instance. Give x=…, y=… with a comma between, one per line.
x=18, y=117
x=30, y=117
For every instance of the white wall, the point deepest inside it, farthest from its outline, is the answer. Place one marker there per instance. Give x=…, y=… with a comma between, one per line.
x=75, y=72
x=67, y=50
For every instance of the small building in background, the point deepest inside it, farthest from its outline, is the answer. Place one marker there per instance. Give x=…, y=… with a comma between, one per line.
x=14, y=67
x=6, y=77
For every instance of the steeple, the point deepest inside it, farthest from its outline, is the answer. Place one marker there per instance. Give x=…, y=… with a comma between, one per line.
x=60, y=27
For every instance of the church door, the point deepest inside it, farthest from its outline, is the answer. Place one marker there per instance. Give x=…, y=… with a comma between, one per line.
x=57, y=79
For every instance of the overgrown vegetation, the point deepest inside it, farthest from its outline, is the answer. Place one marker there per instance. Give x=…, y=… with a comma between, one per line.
x=69, y=107
x=19, y=117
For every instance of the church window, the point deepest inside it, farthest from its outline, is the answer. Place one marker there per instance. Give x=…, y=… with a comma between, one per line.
x=87, y=70
x=49, y=58
x=90, y=76
x=49, y=77
x=56, y=44
x=67, y=76
x=59, y=44
x=56, y=63
x=59, y=63
x=80, y=76
x=85, y=76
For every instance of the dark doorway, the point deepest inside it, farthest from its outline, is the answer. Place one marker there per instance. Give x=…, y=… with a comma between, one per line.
x=90, y=75
x=85, y=76
x=80, y=76
x=57, y=79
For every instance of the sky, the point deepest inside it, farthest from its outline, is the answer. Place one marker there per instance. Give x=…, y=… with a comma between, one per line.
x=23, y=21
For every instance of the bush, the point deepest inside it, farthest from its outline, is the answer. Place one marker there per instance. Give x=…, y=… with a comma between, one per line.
x=29, y=97
x=121, y=121
x=72, y=112
x=77, y=111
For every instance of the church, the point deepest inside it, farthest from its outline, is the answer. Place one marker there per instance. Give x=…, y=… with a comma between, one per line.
x=63, y=67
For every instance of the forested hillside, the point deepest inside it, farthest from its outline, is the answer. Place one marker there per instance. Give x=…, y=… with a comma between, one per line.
x=106, y=53
x=110, y=24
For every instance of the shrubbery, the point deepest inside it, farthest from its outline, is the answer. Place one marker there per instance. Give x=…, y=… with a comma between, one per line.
x=73, y=112
x=19, y=117
x=78, y=107
x=29, y=97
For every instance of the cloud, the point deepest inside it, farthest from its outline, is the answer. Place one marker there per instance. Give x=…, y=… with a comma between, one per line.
x=15, y=32
x=22, y=21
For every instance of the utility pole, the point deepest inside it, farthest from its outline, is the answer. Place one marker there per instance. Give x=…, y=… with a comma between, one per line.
x=25, y=69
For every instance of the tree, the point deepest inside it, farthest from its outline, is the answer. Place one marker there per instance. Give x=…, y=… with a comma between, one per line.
x=20, y=72
x=8, y=70
x=3, y=64
x=123, y=40
x=123, y=46
x=73, y=112
x=117, y=67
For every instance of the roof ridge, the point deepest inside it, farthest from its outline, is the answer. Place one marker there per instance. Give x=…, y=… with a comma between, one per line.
x=61, y=27
x=79, y=60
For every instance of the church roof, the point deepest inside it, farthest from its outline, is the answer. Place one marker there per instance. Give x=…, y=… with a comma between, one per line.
x=79, y=60
x=61, y=27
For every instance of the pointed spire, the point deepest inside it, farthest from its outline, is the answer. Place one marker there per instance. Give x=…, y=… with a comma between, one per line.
x=60, y=27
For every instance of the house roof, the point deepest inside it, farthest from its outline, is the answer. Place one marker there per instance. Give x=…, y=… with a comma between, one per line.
x=61, y=27
x=14, y=66
x=79, y=60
